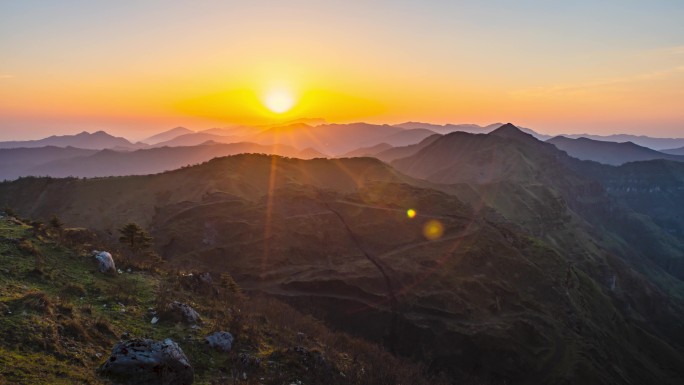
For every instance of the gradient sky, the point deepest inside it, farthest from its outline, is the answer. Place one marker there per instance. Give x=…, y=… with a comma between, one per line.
x=133, y=68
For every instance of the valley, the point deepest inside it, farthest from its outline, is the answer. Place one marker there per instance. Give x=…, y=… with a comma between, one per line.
x=518, y=286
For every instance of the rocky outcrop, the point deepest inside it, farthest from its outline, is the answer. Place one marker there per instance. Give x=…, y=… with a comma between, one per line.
x=145, y=361
x=222, y=341
x=180, y=312
x=105, y=261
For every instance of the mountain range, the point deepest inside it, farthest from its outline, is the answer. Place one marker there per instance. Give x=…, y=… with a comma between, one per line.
x=519, y=264
x=71, y=162
x=73, y=155
x=93, y=141
x=609, y=152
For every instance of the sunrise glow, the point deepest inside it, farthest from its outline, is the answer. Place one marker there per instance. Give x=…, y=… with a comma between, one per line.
x=279, y=100
x=214, y=64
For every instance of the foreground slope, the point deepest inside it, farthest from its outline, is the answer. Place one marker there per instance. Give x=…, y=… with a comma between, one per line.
x=459, y=286
x=61, y=317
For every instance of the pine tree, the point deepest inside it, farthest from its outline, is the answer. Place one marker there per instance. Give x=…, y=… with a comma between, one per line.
x=57, y=226
x=135, y=237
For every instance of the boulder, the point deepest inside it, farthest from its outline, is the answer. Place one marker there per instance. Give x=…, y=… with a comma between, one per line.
x=105, y=260
x=145, y=361
x=201, y=283
x=222, y=341
x=181, y=312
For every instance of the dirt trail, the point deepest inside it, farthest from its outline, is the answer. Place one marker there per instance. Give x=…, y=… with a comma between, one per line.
x=394, y=304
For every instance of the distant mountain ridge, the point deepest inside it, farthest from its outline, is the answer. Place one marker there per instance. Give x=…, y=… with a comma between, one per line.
x=98, y=140
x=90, y=163
x=641, y=140
x=469, y=128
x=167, y=135
x=674, y=151
x=608, y=152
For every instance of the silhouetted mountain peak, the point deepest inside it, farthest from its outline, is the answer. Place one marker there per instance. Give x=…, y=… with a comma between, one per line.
x=510, y=131
x=506, y=130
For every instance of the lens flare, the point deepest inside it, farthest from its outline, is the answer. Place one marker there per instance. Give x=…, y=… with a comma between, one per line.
x=411, y=213
x=433, y=229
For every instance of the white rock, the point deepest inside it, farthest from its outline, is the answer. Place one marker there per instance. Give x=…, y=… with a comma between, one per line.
x=106, y=261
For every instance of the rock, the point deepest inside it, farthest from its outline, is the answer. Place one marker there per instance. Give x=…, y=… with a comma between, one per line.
x=145, y=361
x=222, y=341
x=181, y=312
x=201, y=283
x=206, y=279
x=105, y=260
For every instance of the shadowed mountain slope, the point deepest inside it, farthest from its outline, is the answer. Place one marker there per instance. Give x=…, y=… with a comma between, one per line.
x=88, y=163
x=367, y=151
x=16, y=162
x=402, y=152
x=608, y=152
x=332, y=237
x=674, y=151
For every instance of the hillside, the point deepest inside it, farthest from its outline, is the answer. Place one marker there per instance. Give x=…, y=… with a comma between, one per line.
x=152, y=161
x=61, y=318
x=608, y=152
x=57, y=162
x=16, y=162
x=674, y=151
x=367, y=151
x=536, y=185
x=331, y=237
x=391, y=154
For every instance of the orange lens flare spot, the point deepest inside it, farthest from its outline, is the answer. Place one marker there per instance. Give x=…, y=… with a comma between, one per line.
x=433, y=229
x=411, y=213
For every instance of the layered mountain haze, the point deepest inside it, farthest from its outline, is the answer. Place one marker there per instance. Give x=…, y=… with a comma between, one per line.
x=89, y=163
x=658, y=144
x=195, y=139
x=608, y=152
x=95, y=141
x=674, y=151
x=17, y=162
x=490, y=258
x=167, y=135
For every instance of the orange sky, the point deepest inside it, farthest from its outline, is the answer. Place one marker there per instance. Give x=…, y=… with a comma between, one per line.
x=135, y=68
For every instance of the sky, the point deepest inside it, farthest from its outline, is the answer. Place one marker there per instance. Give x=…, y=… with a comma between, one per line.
x=134, y=68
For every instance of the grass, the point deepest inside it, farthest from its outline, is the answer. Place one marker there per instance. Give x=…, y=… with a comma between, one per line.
x=60, y=318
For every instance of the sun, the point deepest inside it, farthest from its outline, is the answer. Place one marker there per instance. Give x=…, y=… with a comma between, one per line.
x=279, y=101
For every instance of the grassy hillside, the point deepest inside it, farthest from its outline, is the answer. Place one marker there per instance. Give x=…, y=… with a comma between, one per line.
x=61, y=317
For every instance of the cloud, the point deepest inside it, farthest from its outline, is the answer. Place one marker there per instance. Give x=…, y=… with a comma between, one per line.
x=6, y=77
